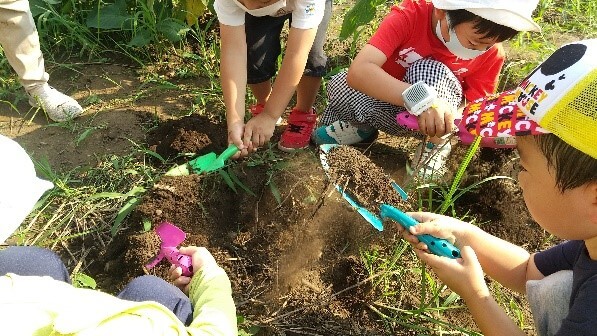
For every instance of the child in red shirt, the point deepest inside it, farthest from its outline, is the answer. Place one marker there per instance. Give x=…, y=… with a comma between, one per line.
x=452, y=46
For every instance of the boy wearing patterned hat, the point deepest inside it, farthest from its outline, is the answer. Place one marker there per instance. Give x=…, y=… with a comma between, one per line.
x=446, y=48
x=553, y=117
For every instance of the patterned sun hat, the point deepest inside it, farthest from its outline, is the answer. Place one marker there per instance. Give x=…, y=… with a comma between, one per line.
x=559, y=97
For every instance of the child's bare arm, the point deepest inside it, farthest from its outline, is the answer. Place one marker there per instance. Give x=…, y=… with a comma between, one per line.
x=465, y=277
x=260, y=129
x=501, y=260
x=233, y=75
x=210, y=292
x=366, y=75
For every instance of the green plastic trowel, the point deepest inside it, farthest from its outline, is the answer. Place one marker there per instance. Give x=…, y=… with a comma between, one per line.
x=205, y=163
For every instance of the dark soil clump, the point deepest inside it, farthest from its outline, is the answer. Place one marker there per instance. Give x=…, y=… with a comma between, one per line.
x=190, y=134
x=360, y=178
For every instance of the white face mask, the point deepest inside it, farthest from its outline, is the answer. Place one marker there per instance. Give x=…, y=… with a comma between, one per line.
x=267, y=10
x=454, y=44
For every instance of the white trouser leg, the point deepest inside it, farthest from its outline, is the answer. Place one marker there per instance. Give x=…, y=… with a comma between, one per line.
x=20, y=41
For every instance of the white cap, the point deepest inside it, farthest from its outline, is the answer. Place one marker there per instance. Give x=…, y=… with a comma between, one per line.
x=517, y=15
x=20, y=188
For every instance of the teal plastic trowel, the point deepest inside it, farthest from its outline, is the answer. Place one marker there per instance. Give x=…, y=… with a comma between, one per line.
x=373, y=219
x=437, y=246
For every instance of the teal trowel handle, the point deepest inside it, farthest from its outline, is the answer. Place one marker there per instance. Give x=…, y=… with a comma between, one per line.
x=437, y=246
x=229, y=152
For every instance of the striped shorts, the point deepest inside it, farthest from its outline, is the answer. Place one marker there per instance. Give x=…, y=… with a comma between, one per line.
x=347, y=104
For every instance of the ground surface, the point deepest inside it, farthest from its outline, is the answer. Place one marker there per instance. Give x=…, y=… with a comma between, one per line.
x=291, y=246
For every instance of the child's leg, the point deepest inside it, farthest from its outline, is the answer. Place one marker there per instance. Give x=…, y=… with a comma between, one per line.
x=549, y=299
x=430, y=157
x=263, y=48
x=32, y=261
x=152, y=288
x=303, y=116
x=361, y=110
x=306, y=92
x=316, y=65
x=20, y=41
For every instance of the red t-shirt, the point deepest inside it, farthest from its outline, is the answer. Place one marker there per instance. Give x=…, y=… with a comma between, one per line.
x=406, y=35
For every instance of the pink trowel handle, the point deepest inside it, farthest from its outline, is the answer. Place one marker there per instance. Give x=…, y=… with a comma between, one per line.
x=179, y=260
x=171, y=236
x=410, y=121
x=407, y=120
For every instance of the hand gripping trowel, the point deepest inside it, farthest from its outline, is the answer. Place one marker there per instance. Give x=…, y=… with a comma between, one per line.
x=171, y=236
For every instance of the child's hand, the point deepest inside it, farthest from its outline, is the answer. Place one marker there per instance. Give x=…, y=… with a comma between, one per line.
x=235, y=134
x=259, y=130
x=201, y=258
x=463, y=275
x=440, y=226
x=438, y=120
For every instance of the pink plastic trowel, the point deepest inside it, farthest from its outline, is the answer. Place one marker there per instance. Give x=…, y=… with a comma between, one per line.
x=171, y=236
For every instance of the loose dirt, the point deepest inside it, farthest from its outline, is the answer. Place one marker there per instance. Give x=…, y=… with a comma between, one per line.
x=360, y=178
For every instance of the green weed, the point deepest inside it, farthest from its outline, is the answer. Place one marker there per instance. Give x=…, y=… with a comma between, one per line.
x=81, y=280
x=86, y=201
x=390, y=270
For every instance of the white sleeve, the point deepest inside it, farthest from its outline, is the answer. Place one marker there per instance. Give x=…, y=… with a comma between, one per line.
x=229, y=13
x=307, y=14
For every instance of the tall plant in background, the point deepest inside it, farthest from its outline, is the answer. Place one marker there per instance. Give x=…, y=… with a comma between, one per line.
x=60, y=24
x=147, y=21
x=362, y=13
x=92, y=27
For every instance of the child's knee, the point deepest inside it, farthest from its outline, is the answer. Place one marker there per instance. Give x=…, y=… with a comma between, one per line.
x=146, y=281
x=337, y=85
x=33, y=261
x=437, y=75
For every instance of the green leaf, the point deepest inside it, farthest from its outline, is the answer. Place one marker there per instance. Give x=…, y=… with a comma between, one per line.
x=135, y=191
x=84, y=135
x=128, y=207
x=173, y=29
x=154, y=154
x=227, y=179
x=275, y=192
x=448, y=201
x=363, y=12
x=142, y=38
x=146, y=224
x=39, y=7
x=81, y=280
x=236, y=180
x=113, y=16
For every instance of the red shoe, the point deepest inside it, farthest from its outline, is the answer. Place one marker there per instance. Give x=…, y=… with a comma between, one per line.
x=256, y=109
x=298, y=132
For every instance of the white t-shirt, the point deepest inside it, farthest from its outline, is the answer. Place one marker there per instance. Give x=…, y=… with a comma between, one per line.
x=306, y=14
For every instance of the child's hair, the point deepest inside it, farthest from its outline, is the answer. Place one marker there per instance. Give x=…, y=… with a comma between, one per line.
x=488, y=28
x=573, y=168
